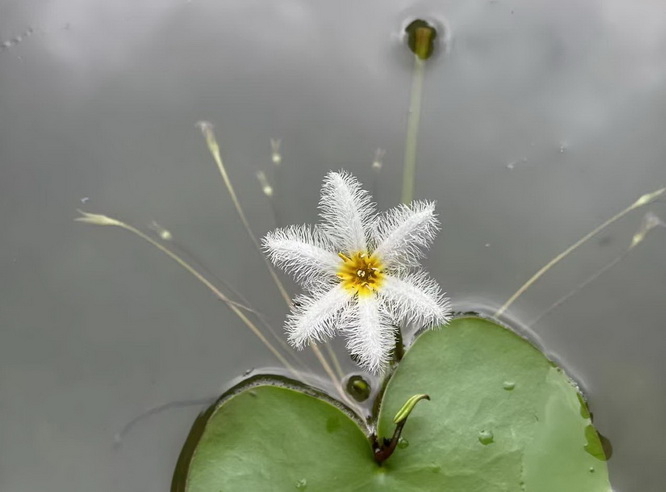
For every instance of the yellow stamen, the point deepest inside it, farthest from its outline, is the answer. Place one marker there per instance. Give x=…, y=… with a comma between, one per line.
x=360, y=273
x=344, y=257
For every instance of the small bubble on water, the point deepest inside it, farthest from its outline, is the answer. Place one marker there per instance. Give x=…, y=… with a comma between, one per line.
x=6, y=44
x=403, y=443
x=509, y=385
x=301, y=484
x=486, y=437
x=591, y=469
x=564, y=146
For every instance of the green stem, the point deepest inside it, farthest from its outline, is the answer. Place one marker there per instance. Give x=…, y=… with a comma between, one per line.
x=384, y=448
x=643, y=200
x=399, y=349
x=412, y=130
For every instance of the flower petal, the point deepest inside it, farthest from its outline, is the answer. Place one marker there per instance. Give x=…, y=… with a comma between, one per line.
x=316, y=317
x=370, y=337
x=346, y=209
x=302, y=252
x=415, y=298
x=403, y=232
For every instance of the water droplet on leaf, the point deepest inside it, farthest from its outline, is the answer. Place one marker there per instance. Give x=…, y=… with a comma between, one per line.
x=486, y=437
x=509, y=385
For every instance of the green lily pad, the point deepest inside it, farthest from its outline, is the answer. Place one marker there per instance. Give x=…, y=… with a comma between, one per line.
x=501, y=417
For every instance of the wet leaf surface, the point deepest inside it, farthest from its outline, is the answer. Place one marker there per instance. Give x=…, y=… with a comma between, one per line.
x=501, y=417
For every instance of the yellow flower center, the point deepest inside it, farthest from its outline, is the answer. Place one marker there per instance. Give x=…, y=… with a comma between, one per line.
x=360, y=273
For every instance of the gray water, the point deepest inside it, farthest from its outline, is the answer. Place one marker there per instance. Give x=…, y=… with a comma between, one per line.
x=543, y=119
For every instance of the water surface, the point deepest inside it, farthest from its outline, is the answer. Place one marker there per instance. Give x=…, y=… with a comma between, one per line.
x=542, y=120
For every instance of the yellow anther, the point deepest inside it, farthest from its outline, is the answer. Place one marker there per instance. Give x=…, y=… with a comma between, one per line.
x=360, y=273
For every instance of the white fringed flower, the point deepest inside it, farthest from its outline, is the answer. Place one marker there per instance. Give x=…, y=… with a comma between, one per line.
x=360, y=271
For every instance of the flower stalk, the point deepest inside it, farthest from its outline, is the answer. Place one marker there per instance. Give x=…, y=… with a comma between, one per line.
x=420, y=39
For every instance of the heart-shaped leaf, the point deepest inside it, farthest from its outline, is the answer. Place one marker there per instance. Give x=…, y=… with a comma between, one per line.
x=501, y=417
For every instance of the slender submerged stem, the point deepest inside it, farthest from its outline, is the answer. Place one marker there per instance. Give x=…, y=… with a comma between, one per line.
x=643, y=200
x=274, y=211
x=329, y=372
x=409, y=169
x=214, y=149
x=650, y=221
x=120, y=435
x=187, y=256
x=578, y=288
x=269, y=192
x=334, y=358
x=233, y=306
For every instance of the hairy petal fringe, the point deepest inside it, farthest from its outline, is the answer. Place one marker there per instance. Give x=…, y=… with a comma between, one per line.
x=402, y=233
x=415, y=298
x=346, y=210
x=317, y=316
x=304, y=252
x=370, y=337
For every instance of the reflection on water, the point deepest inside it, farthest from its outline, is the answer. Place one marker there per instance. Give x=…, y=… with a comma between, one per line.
x=101, y=98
